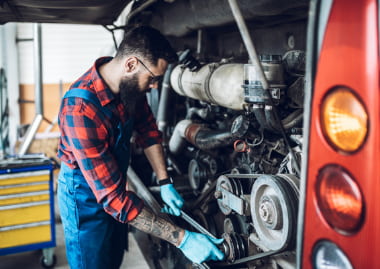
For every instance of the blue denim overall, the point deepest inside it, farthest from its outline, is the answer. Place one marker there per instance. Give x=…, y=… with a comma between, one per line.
x=93, y=238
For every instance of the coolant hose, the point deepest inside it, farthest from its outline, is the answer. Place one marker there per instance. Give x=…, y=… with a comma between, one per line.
x=198, y=135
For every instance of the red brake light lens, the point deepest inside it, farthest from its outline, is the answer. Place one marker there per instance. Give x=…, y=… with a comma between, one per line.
x=339, y=199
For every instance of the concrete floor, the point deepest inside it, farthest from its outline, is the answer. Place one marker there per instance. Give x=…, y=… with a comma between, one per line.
x=31, y=259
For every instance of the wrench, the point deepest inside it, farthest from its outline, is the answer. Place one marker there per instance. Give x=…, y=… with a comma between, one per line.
x=195, y=224
x=200, y=229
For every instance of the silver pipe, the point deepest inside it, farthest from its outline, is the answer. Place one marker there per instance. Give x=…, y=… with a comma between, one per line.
x=177, y=141
x=29, y=136
x=314, y=22
x=38, y=69
x=139, y=9
x=293, y=119
x=163, y=107
x=248, y=42
x=199, y=41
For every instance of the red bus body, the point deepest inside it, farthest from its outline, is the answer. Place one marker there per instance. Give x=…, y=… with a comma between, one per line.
x=349, y=56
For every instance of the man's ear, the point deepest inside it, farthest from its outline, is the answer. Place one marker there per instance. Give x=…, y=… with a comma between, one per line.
x=130, y=64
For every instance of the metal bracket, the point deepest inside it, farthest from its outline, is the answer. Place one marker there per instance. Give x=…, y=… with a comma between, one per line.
x=232, y=201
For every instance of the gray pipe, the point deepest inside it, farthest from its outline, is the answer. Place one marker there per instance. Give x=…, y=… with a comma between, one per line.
x=38, y=69
x=293, y=119
x=30, y=133
x=139, y=9
x=163, y=107
x=177, y=141
x=248, y=42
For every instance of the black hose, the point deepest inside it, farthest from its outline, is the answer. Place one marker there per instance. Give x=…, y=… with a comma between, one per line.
x=282, y=130
x=260, y=116
x=271, y=119
x=209, y=139
x=293, y=119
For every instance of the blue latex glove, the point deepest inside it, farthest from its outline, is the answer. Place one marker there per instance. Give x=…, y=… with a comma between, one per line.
x=200, y=247
x=166, y=209
x=172, y=198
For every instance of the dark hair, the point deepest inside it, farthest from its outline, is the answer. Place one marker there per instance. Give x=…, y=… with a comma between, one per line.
x=147, y=43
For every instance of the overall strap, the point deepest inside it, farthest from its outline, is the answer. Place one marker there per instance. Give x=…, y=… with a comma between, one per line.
x=89, y=96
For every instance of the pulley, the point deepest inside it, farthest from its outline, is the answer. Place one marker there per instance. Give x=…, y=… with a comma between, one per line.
x=198, y=174
x=274, y=206
x=201, y=169
x=236, y=223
x=234, y=246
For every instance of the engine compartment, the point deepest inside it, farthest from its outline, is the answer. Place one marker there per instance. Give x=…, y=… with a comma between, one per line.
x=233, y=147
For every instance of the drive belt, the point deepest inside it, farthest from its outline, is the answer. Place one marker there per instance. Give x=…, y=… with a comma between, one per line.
x=248, y=259
x=237, y=262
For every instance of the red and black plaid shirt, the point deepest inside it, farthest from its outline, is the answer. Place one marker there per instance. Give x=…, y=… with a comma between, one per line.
x=86, y=142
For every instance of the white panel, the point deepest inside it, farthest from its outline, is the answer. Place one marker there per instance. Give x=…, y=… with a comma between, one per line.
x=68, y=50
x=25, y=53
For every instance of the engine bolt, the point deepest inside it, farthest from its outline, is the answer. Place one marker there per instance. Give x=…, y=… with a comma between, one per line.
x=218, y=194
x=266, y=212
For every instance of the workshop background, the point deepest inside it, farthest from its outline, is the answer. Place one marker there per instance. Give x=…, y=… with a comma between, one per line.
x=67, y=51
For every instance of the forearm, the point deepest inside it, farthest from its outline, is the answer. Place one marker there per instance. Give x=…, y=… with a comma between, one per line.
x=152, y=224
x=155, y=155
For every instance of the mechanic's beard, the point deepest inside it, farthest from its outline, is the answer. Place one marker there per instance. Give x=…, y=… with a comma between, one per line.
x=130, y=93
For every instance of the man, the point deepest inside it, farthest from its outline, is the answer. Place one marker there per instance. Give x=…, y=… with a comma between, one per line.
x=96, y=119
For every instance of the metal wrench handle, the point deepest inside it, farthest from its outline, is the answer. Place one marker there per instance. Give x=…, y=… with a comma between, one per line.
x=200, y=229
x=195, y=224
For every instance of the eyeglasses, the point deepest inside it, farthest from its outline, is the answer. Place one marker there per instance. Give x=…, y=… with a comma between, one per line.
x=153, y=78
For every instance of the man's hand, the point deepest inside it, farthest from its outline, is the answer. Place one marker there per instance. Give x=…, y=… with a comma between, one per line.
x=172, y=198
x=199, y=247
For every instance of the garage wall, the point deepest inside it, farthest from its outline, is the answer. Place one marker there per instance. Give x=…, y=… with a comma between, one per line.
x=67, y=52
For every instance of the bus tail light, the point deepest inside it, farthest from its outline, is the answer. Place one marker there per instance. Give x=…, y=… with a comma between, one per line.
x=344, y=120
x=329, y=255
x=339, y=199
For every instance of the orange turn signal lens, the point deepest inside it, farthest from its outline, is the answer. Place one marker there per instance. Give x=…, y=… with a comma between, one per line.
x=344, y=120
x=339, y=199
